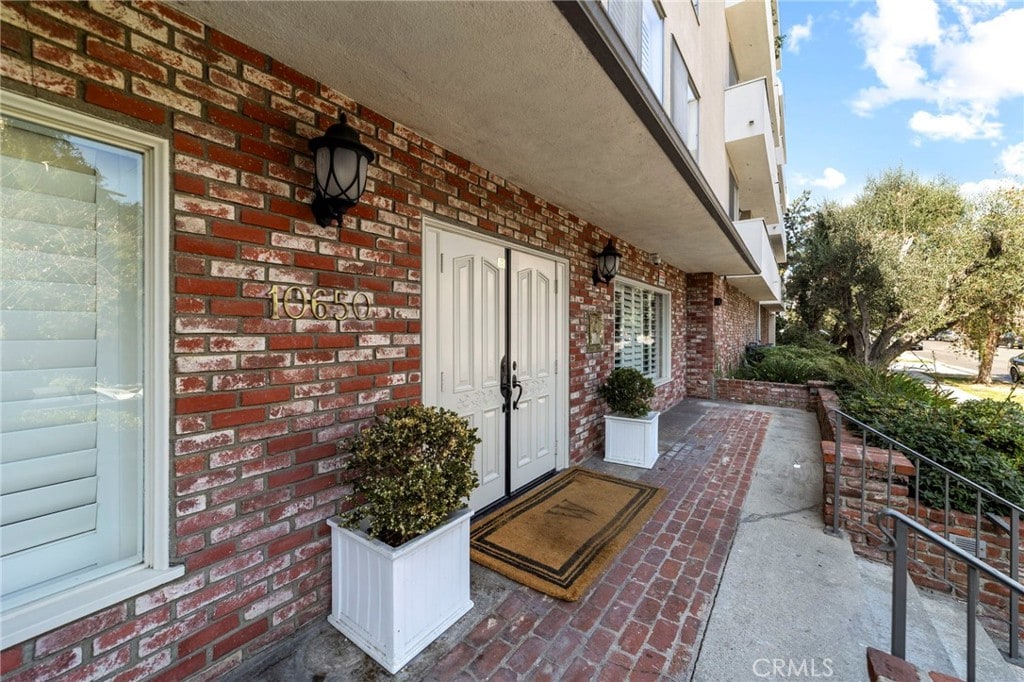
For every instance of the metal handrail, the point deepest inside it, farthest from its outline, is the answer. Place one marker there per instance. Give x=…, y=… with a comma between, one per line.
x=1014, y=510
x=898, y=544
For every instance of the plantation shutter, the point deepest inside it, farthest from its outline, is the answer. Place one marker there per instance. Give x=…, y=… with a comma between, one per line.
x=70, y=352
x=638, y=332
x=651, y=57
x=626, y=17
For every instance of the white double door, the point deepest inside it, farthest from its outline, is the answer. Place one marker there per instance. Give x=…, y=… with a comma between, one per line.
x=494, y=336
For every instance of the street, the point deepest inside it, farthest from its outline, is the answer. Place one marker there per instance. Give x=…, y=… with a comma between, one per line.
x=950, y=354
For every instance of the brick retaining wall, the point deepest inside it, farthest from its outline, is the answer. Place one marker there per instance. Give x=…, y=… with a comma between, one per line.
x=764, y=393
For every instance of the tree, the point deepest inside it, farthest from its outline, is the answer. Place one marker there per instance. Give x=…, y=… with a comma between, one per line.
x=879, y=275
x=991, y=297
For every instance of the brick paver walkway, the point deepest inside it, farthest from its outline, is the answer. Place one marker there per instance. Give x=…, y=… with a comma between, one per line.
x=643, y=619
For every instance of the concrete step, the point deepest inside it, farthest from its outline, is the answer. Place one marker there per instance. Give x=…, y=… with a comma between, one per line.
x=948, y=617
x=936, y=630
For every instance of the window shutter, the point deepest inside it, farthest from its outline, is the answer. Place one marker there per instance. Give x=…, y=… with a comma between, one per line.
x=626, y=17
x=651, y=57
x=63, y=262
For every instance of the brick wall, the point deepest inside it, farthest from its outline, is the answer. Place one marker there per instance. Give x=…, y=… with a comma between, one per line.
x=736, y=321
x=717, y=335
x=259, y=403
x=763, y=393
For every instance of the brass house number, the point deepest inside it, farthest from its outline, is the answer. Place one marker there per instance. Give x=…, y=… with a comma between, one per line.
x=296, y=302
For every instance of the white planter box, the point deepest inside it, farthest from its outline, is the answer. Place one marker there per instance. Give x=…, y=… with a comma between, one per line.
x=394, y=601
x=632, y=441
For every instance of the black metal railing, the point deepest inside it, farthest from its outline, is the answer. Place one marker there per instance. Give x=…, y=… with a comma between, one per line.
x=983, y=499
x=898, y=544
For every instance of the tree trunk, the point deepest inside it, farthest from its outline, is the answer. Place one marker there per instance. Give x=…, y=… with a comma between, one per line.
x=987, y=355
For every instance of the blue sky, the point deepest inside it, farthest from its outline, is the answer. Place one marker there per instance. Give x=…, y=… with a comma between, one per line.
x=936, y=86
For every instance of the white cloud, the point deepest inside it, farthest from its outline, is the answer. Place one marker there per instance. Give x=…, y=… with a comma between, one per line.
x=1012, y=159
x=963, y=63
x=974, y=189
x=830, y=179
x=957, y=127
x=798, y=33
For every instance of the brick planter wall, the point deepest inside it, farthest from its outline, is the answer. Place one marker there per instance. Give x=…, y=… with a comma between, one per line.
x=926, y=568
x=763, y=393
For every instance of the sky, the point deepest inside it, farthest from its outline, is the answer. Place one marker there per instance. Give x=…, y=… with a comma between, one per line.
x=934, y=86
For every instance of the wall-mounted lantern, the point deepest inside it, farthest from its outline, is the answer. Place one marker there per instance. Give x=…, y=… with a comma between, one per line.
x=340, y=162
x=607, y=263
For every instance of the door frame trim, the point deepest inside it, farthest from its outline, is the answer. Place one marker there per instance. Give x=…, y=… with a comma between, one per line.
x=431, y=226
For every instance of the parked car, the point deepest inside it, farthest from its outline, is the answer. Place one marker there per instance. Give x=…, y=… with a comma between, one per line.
x=1011, y=340
x=946, y=335
x=1017, y=368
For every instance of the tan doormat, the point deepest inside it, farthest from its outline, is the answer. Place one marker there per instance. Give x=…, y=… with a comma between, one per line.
x=559, y=538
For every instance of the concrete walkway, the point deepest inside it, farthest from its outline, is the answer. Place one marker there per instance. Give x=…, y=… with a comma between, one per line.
x=786, y=606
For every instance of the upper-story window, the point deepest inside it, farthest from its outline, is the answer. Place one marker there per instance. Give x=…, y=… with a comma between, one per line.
x=685, y=102
x=83, y=276
x=641, y=24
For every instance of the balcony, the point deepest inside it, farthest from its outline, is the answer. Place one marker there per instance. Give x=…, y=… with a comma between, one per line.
x=752, y=34
x=750, y=142
x=766, y=287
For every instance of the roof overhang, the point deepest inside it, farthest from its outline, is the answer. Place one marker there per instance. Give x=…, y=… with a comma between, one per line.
x=542, y=94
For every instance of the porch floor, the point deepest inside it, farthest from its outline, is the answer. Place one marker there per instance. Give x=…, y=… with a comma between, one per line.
x=643, y=619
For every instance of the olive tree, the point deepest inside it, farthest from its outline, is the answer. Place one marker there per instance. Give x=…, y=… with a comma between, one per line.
x=991, y=298
x=880, y=274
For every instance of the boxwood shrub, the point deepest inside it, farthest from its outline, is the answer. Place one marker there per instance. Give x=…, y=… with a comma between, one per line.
x=982, y=440
x=791, y=364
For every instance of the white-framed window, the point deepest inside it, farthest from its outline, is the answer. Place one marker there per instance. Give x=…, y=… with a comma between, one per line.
x=641, y=24
x=685, y=102
x=83, y=365
x=643, y=329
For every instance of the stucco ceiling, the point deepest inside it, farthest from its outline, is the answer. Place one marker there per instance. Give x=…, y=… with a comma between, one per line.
x=510, y=86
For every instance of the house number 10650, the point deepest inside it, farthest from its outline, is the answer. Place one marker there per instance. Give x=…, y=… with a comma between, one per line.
x=297, y=301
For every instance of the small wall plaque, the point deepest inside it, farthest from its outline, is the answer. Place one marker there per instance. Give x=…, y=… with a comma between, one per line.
x=595, y=332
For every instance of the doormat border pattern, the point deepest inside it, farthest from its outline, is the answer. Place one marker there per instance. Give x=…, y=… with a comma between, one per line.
x=570, y=580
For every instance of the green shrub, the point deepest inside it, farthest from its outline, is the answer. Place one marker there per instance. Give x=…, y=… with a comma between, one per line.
x=998, y=424
x=791, y=364
x=627, y=391
x=411, y=470
x=978, y=441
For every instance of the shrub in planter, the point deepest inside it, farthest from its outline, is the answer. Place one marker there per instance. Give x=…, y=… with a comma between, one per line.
x=791, y=365
x=410, y=471
x=628, y=392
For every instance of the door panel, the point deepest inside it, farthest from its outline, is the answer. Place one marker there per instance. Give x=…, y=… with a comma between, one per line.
x=471, y=334
x=534, y=351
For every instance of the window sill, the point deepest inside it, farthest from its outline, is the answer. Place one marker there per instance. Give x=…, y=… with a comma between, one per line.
x=25, y=622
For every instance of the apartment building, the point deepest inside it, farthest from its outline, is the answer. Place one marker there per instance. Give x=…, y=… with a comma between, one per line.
x=184, y=345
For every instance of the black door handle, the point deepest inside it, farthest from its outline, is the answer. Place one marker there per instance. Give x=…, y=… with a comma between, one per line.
x=515, y=385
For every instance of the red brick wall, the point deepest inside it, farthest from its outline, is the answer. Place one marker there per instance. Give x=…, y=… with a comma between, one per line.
x=717, y=335
x=260, y=403
x=736, y=326
x=763, y=393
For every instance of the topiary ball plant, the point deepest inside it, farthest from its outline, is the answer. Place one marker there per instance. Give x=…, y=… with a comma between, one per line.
x=410, y=470
x=627, y=391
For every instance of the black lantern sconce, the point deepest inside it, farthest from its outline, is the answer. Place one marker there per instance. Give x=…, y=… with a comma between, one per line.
x=339, y=175
x=607, y=263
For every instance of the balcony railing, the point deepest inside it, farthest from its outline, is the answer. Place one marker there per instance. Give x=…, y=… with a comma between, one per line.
x=766, y=287
x=750, y=142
